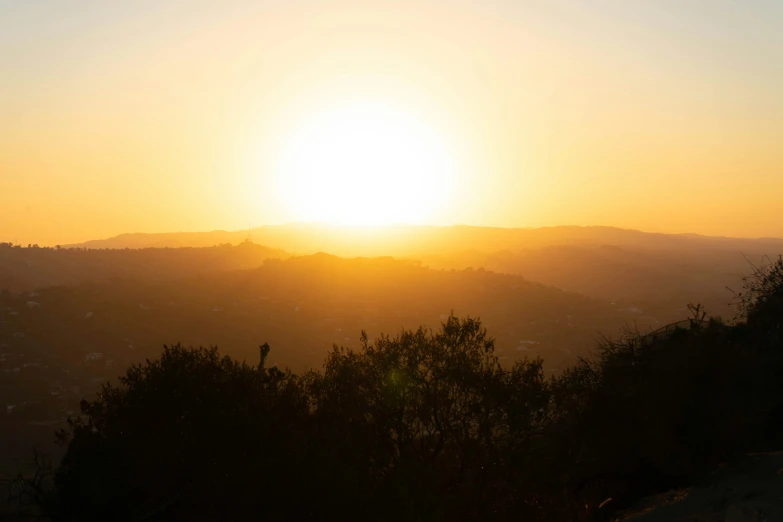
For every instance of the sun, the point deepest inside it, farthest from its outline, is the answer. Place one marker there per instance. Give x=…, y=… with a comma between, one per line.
x=365, y=164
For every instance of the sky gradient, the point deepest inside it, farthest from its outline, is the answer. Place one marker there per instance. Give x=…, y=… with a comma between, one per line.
x=153, y=116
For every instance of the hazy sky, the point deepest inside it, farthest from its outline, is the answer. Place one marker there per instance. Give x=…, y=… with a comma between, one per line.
x=662, y=115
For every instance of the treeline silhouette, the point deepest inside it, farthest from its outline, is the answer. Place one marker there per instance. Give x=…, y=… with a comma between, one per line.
x=427, y=425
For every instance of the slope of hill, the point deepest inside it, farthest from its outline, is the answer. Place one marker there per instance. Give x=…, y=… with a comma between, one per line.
x=68, y=340
x=429, y=425
x=657, y=281
x=641, y=416
x=655, y=273
x=25, y=269
x=750, y=490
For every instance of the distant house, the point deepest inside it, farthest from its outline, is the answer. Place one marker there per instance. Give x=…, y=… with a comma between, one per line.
x=95, y=356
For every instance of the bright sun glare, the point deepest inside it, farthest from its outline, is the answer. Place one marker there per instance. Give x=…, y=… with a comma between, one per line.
x=365, y=164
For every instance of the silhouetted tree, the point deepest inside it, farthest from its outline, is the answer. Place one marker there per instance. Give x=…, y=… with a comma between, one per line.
x=432, y=415
x=191, y=436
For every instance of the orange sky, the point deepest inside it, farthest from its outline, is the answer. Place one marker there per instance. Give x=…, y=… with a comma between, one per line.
x=164, y=116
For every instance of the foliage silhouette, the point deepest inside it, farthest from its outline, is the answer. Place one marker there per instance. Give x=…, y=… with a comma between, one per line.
x=427, y=425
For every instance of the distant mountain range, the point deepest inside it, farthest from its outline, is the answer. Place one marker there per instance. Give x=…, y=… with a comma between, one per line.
x=657, y=273
x=418, y=241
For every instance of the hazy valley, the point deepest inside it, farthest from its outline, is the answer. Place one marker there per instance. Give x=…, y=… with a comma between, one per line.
x=73, y=317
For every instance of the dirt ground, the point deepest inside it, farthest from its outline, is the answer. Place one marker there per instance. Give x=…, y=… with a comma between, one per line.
x=749, y=491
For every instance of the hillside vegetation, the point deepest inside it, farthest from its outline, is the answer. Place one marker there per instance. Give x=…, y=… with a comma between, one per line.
x=428, y=425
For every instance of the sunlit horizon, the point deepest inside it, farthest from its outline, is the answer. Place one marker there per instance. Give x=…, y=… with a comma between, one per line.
x=173, y=116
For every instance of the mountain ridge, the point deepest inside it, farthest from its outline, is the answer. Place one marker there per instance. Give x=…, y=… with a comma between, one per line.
x=411, y=240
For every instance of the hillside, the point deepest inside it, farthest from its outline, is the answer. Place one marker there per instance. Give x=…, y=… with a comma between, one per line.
x=301, y=306
x=25, y=269
x=750, y=489
x=655, y=273
x=657, y=281
x=306, y=303
x=430, y=425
